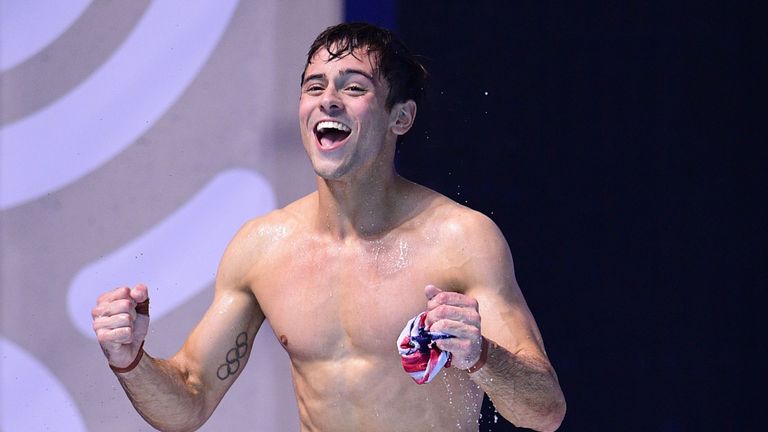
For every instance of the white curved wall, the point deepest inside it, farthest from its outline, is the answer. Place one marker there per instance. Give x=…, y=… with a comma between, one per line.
x=141, y=172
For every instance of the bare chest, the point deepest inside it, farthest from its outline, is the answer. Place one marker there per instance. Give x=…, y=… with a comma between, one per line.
x=327, y=302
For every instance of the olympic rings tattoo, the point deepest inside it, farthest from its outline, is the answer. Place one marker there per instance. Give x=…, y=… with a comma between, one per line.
x=233, y=357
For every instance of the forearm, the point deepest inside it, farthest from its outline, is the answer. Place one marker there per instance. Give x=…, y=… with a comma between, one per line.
x=165, y=395
x=523, y=388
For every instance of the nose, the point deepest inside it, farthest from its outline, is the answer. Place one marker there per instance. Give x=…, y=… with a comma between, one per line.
x=330, y=101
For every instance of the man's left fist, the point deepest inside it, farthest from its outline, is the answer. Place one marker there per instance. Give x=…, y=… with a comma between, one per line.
x=455, y=314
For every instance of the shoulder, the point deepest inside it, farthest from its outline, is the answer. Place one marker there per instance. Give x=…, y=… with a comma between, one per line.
x=266, y=231
x=262, y=236
x=470, y=243
x=462, y=227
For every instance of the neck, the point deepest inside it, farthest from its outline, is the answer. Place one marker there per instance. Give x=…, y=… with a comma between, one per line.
x=360, y=206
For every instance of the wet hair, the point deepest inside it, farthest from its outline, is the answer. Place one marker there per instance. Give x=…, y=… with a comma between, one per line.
x=404, y=73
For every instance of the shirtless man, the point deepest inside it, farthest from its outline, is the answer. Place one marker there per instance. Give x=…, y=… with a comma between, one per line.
x=339, y=272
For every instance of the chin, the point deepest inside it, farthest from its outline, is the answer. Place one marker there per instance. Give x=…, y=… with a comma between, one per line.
x=330, y=173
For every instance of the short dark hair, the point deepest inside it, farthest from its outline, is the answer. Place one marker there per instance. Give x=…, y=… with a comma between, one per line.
x=404, y=73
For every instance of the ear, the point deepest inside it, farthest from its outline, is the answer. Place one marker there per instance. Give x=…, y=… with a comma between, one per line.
x=402, y=117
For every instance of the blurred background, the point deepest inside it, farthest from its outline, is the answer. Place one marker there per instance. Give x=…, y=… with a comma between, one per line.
x=616, y=146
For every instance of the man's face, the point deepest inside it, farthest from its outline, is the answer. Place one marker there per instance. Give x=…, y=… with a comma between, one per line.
x=343, y=120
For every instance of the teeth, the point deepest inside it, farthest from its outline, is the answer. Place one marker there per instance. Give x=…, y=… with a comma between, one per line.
x=326, y=125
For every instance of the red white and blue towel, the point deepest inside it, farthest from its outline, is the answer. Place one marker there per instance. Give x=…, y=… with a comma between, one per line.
x=421, y=358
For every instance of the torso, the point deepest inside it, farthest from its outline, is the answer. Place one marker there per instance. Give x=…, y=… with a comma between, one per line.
x=338, y=307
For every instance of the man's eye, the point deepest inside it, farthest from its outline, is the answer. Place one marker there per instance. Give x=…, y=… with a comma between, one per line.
x=355, y=89
x=314, y=88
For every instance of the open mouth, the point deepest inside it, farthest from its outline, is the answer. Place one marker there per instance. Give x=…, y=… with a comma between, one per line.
x=330, y=134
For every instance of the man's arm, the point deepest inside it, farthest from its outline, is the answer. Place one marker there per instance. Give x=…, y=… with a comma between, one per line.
x=517, y=374
x=180, y=393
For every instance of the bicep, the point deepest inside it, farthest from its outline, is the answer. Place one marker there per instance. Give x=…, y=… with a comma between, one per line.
x=505, y=316
x=218, y=348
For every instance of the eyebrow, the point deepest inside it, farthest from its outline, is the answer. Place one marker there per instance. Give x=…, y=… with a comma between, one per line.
x=321, y=76
x=357, y=71
x=317, y=76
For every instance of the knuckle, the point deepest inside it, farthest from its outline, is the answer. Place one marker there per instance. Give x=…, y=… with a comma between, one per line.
x=99, y=323
x=439, y=311
x=429, y=319
x=123, y=334
x=104, y=336
x=437, y=325
x=123, y=305
x=124, y=318
x=474, y=316
x=120, y=292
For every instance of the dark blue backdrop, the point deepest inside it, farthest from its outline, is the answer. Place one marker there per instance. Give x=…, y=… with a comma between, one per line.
x=616, y=147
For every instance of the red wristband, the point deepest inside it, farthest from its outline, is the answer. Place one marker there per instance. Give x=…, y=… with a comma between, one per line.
x=133, y=364
x=483, y=357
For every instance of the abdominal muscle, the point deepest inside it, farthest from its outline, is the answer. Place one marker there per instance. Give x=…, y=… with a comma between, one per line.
x=337, y=307
x=358, y=393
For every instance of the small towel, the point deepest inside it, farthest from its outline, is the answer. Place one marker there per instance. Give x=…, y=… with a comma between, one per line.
x=421, y=358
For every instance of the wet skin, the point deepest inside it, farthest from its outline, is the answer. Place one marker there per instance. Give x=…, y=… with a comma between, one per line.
x=338, y=273
x=338, y=307
x=354, y=259
x=362, y=279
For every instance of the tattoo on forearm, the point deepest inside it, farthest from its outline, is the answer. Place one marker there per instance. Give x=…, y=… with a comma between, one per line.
x=233, y=357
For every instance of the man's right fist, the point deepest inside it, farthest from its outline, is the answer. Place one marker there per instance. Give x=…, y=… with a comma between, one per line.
x=119, y=328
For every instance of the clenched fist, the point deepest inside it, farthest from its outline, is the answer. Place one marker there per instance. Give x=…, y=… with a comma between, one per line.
x=455, y=314
x=121, y=321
